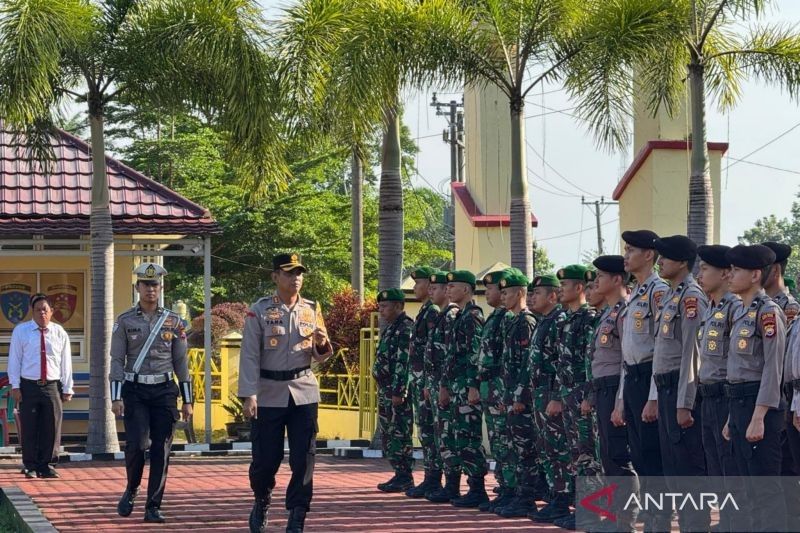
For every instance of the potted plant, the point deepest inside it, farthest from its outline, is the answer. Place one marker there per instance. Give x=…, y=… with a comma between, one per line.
x=239, y=428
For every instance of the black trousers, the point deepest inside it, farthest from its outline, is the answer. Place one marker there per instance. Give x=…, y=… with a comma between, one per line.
x=299, y=423
x=681, y=451
x=614, y=454
x=150, y=415
x=40, y=413
x=756, y=460
x=790, y=462
x=718, y=451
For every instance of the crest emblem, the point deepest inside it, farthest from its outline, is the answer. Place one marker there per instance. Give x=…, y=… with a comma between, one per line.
x=742, y=344
x=274, y=314
x=719, y=314
x=64, y=298
x=273, y=342
x=167, y=335
x=713, y=333
x=712, y=345
x=294, y=258
x=604, y=339
x=150, y=272
x=15, y=301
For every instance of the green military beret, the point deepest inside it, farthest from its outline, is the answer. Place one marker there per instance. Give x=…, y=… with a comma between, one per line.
x=423, y=272
x=439, y=277
x=513, y=279
x=789, y=282
x=576, y=272
x=493, y=277
x=391, y=295
x=463, y=276
x=547, y=280
x=590, y=275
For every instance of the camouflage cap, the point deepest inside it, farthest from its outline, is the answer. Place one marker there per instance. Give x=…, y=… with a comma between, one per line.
x=462, y=276
x=423, y=272
x=546, y=280
x=391, y=295
x=576, y=272
x=439, y=277
x=513, y=279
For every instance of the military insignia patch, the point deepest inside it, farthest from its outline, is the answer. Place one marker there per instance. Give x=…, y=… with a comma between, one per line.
x=277, y=330
x=690, y=306
x=449, y=276
x=657, y=297
x=713, y=333
x=744, y=332
x=742, y=344
x=712, y=345
x=665, y=329
x=637, y=324
x=667, y=316
x=638, y=314
x=603, y=339
x=719, y=314
x=751, y=314
x=676, y=299
x=273, y=342
x=768, y=323
x=166, y=335
x=791, y=312
x=274, y=314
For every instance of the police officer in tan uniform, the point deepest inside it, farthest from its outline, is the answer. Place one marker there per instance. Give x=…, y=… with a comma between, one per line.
x=755, y=364
x=282, y=334
x=148, y=350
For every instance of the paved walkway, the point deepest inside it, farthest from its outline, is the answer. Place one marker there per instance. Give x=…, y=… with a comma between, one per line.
x=212, y=494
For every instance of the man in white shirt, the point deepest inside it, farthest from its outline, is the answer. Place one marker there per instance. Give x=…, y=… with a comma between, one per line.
x=40, y=372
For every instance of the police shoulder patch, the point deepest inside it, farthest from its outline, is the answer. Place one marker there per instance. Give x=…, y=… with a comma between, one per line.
x=791, y=311
x=768, y=322
x=690, y=306
x=657, y=295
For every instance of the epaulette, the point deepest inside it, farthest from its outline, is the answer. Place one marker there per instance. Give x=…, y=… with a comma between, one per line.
x=310, y=303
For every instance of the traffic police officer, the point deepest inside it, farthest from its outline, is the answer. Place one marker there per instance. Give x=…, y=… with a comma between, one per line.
x=755, y=364
x=148, y=350
x=675, y=365
x=638, y=341
x=282, y=334
x=390, y=371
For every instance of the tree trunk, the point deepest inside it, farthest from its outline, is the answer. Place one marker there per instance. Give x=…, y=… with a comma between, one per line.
x=390, y=214
x=521, y=234
x=700, y=221
x=102, y=436
x=357, y=230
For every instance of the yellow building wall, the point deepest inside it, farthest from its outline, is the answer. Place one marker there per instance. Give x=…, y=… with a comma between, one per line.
x=478, y=247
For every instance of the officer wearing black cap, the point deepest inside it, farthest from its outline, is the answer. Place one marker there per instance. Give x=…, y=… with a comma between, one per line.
x=638, y=342
x=610, y=282
x=755, y=364
x=675, y=366
x=148, y=350
x=775, y=286
x=282, y=334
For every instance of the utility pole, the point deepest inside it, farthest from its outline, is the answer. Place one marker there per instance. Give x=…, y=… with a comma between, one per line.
x=454, y=134
x=596, y=205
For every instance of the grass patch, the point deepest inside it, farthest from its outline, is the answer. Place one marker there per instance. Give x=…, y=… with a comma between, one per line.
x=9, y=519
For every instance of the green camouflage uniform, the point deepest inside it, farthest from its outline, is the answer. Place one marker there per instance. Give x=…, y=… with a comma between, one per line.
x=435, y=354
x=490, y=379
x=551, y=442
x=517, y=388
x=391, y=374
x=573, y=384
x=423, y=412
x=459, y=373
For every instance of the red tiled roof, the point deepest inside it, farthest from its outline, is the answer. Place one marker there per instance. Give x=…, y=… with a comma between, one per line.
x=59, y=203
x=478, y=219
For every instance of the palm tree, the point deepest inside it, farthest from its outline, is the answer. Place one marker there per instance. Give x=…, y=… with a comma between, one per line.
x=519, y=45
x=208, y=53
x=351, y=59
x=706, y=43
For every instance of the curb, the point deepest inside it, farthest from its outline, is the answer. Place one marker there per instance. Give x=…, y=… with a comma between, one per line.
x=366, y=453
x=27, y=511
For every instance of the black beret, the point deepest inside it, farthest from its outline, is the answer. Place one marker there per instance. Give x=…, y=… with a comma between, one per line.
x=643, y=238
x=613, y=264
x=752, y=257
x=677, y=248
x=714, y=255
x=782, y=251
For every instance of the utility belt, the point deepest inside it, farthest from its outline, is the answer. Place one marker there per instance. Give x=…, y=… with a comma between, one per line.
x=285, y=375
x=644, y=370
x=742, y=390
x=606, y=382
x=667, y=380
x=788, y=390
x=711, y=390
x=40, y=382
x=149, y=379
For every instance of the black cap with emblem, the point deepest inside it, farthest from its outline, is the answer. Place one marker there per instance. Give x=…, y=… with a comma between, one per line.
x=754, y=257
x=287, y=262
x=643, y=238
x=714, y=255
x=677, y=248
x=782, y=251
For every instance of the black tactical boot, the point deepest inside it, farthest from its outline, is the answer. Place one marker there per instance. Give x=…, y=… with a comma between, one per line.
x=476, y=495
x=125, y=505
x=503, y=497
x=259, y=515
x=566, y=522
x=153, y=514
x=297, y=520
x=450, y=491
x=432, y=482
x=557, y=508
x=401, y=482
x=519, y=507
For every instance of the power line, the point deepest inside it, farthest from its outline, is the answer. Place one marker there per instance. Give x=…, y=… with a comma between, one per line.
x=742, y=159
x=763, y=165
x=559, y=174
x=568, y=194
x=574, y=232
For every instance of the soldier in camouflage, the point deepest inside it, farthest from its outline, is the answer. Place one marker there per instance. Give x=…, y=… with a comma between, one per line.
x=435, y=354
x=575, y=337
x=551, y=443
x=423, y=412
x=491, y=391
x=390, y=371
x=517, y=400
x=459, y=388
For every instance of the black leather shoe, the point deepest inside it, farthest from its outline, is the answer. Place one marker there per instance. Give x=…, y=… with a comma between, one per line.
x=50, y=473
x=153, y=514
x=125, y=505
x=259, y=516
x=31, y=474
x=297, y=520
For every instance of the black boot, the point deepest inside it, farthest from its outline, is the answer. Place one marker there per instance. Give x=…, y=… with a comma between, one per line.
x=432, y=482
x=401, y=482
x=504, y=497
x=125, y=505
x=259, y=515
x=450, y=491
x=519, y=507
x=476, y=495
x=566, y=522
x=557, y=508
x=297, y=520
x=153, y=514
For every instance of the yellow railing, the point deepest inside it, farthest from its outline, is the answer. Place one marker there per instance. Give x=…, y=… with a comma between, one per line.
x=219, y=374
x=367, y=393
